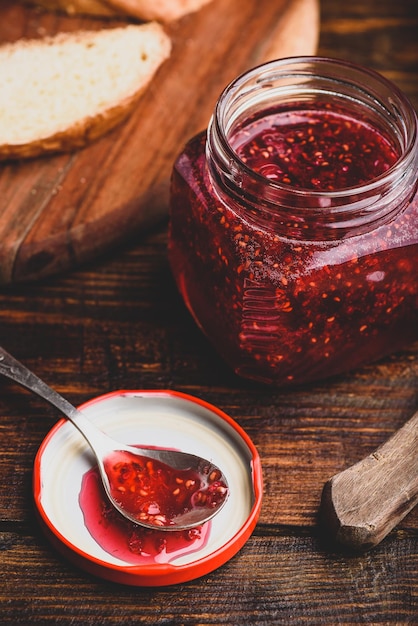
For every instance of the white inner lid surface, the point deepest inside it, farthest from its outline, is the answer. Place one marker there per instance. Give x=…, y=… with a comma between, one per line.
x=150, y=420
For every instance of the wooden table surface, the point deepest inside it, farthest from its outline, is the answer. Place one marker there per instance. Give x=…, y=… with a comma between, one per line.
x=119, y=323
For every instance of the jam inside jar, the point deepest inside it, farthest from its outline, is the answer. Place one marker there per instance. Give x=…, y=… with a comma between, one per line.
x=294, y=221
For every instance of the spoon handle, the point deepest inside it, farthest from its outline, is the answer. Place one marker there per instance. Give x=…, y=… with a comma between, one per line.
x=19, y=373
x=363, y=503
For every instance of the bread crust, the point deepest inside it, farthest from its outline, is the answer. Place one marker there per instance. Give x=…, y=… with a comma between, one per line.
x=74, y=137
x=83, y=131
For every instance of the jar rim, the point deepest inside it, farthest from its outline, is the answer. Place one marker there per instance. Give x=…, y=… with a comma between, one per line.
x=400, y=106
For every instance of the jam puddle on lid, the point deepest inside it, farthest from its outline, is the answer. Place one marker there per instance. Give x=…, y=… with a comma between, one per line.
x=131, y=543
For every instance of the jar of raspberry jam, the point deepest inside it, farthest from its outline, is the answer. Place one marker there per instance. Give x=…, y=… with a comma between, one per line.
x=294, y=221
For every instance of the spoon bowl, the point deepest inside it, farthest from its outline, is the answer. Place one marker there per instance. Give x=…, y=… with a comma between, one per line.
x=162, y=489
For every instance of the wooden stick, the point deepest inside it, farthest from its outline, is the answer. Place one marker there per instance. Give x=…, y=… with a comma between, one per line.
x=363, y=503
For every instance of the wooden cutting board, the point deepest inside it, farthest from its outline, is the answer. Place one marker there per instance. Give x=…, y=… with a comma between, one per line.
x=57, y=212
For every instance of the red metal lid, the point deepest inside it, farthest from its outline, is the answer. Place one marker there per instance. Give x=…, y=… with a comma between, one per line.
x=150, y=418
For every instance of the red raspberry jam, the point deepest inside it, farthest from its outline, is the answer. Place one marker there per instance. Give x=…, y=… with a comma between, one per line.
x=317, y=148
x=156, y=493
x=127, y=541
x=294, y=221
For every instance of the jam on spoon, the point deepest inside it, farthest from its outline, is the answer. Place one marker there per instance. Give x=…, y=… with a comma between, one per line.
x=156, y=494
x=123, y=539
x=152, y=487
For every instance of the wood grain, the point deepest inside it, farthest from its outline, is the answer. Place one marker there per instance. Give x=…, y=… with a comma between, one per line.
x=258, y=587
x=118, y=322
x=57, y=212
x=121, y=324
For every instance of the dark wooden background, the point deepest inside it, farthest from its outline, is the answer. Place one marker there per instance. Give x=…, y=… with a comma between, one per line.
x=119, y=323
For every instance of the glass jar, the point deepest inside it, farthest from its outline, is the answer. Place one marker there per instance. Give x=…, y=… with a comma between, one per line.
x=293, y=232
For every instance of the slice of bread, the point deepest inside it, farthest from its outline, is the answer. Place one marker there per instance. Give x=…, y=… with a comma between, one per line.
x=159, y=10
x=59, y=93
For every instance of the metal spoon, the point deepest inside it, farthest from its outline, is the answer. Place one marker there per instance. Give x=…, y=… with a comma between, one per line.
x=205, y=500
